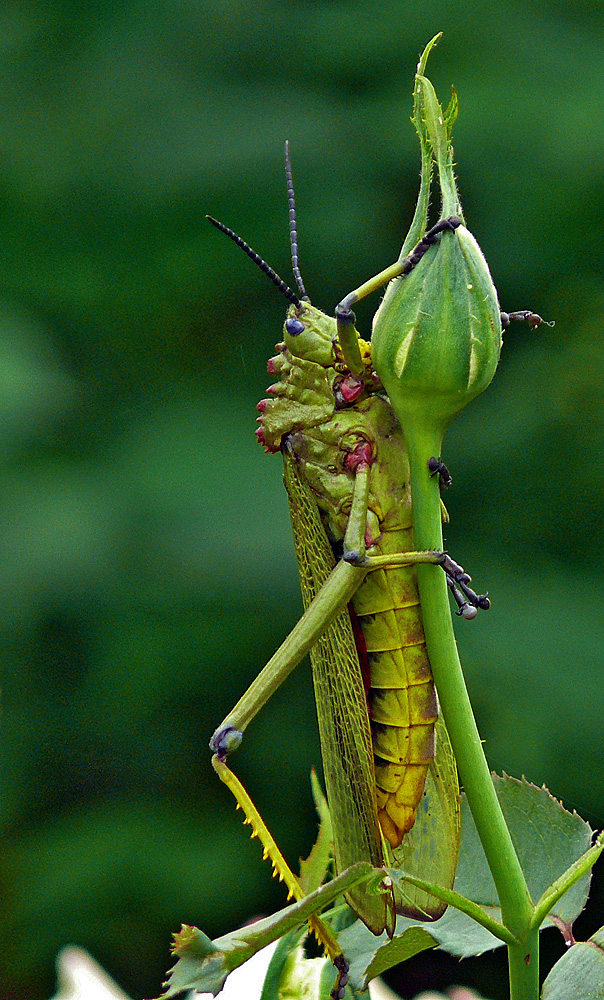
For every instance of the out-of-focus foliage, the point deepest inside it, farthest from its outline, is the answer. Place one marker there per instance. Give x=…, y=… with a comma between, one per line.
x=79, y=977
x=145, y=563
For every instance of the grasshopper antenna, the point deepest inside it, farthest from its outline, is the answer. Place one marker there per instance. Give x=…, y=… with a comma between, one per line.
x=276, y=280
x=293, y=231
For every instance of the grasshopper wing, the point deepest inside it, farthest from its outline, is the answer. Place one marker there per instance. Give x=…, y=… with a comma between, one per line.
x=342, y=711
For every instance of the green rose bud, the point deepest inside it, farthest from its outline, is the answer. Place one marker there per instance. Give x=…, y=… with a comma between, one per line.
x=437, y=334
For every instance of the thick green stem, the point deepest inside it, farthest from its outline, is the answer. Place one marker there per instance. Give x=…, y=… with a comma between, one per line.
x=523, y=967
x=516, y=905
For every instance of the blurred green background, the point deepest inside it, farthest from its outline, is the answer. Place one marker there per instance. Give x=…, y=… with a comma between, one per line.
x=146, y=566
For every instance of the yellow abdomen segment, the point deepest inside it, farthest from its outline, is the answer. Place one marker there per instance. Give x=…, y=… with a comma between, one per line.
x=402, y=700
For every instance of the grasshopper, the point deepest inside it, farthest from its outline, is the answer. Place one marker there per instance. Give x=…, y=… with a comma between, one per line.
x=389, y=770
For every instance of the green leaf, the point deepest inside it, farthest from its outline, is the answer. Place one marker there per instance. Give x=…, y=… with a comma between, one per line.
x=547, y=839
x=414, y=940
x=438, y=126
x=290, y=942
x=459, y=903
x=573, y=874
x=314, y=869
x=434, y=120
x=423, y=59
x=420, y=216
x=579, y=973
x=370, y=956
x=451, y=113
x=204, y=965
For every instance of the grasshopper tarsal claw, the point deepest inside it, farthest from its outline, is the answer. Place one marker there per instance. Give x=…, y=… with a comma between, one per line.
x=437, y=466
x=466, y=610
x=524, y=316
x=450, y=224
x=458, y=580
x=339, y=989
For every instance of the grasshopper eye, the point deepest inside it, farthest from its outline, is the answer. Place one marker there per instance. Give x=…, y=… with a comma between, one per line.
x=293, y=326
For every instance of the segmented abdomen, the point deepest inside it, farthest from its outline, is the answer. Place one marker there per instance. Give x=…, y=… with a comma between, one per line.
x=402, y=699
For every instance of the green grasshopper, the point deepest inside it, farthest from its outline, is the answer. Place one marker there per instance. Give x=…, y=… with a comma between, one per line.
x=389, y=770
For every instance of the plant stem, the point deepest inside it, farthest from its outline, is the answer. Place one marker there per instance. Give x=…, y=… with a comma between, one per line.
x=516, y=905
x=523, y=967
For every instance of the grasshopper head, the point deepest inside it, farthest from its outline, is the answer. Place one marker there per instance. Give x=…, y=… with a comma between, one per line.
x=310, y=334
x=303, y=396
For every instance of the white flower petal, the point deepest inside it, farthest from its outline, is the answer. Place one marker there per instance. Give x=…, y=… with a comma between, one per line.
x=246, y=982
x=81, y=978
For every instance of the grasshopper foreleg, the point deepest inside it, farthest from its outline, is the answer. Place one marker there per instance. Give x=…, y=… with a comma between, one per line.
x=468, y=601
x=345, y=316
x=354, y=538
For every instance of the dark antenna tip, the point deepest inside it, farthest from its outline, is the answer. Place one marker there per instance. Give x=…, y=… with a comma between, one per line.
x=293, y=232
x=268, y=270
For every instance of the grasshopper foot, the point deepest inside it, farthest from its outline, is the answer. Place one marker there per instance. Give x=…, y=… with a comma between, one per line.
x=339, y=990
x=344, y=314
x=468, y=601
x=523, y=316
x=436, y=465
x=224, y=741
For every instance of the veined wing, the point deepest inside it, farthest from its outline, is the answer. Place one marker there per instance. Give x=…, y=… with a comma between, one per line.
x=341, y=709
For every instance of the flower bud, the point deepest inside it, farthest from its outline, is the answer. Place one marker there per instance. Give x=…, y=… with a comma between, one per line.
x=437, y=334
